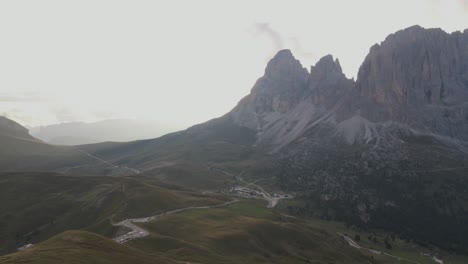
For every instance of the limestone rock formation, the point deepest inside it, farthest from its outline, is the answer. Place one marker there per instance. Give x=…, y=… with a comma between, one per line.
x=287, y=100
x=417, y=77
x=281, y=88
x=328, y=84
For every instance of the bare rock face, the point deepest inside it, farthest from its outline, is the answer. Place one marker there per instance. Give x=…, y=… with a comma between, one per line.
x=327, y=83
x=281, y=88
x=418, y=77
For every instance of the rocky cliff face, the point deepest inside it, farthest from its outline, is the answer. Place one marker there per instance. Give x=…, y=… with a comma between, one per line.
x=417, y=77
x=327, y=83
x=280, y=89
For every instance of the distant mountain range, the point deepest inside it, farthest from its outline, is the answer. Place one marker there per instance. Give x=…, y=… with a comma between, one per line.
x=119, y=130
x=388, y=150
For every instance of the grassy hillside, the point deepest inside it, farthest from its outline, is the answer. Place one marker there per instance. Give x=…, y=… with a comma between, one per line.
x=36, y=206
x=28, y=154
x=218, y=141
x=22, y=152
x=245, y=232
x=80, y=247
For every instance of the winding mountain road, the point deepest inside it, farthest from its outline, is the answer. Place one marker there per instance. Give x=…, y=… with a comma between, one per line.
x=138, y=232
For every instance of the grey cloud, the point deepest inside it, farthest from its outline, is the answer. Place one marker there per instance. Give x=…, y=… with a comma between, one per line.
x=7, y=98
x=105, y=115
x=64, y=114
x=25, y=97
x=266, y=29
x=278, y=40
x=299, y=50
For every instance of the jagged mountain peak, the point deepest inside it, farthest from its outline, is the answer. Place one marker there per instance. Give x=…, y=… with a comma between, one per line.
x=281, y=88
x=287, y=99
x=327, y=71
x=328, y=84
x=285, y=67
x=417, y=77
x=326, y=65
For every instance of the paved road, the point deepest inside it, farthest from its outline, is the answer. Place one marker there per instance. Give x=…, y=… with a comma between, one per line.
x=138, y=232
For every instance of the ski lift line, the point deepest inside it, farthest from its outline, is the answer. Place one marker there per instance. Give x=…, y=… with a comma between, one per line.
x=99, y=159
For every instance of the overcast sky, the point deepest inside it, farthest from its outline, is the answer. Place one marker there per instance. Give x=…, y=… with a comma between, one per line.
x=179, y=62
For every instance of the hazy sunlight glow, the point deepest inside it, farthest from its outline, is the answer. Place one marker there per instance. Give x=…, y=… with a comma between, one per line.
x=179, y=62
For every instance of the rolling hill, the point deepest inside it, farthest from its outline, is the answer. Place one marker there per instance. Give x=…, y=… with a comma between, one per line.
x=22, y=152
x=243, y=232
x=36, y=206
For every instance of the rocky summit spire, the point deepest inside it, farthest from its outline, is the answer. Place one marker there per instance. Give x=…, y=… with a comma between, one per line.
x=285, y=68
x=281, y=88
x=327, y=82
x=325, y=66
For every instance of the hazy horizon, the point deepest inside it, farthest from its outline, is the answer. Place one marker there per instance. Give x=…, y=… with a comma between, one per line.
x=116, y=130
x=96, y=60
